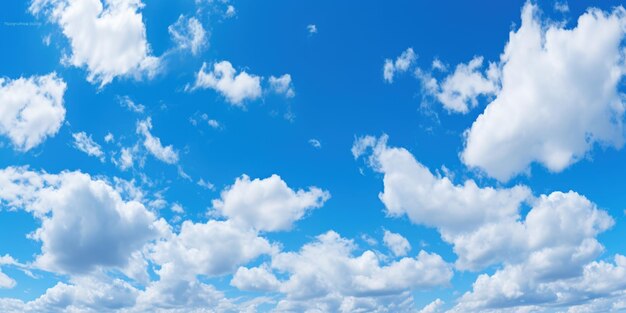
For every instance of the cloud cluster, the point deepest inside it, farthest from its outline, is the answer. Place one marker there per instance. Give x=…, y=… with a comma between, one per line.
x=541, y=253
x=325, y=274
x=401, y=64
x=109, y=38
x=552, y=97
x=32, y=109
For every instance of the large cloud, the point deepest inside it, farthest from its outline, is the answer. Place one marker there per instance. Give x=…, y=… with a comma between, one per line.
x=208, y=249
x=552, y=244
x=32, y=109
x=325, y=273
x=267, y=204
x=85, y=223
x=108, y=38
x=558, y=96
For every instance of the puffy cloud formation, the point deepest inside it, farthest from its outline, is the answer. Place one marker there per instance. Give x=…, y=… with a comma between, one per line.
x=554, y=243
x=153, y=144
x=85, y=223
x=401, y=64
x=267, y=204
x=32, y=109
x=108, y=38
x=209, y=249
x=223, y=78
x=325, y=274
x=85, y=143
x=459, y=91
x=188, y=34
x=398, y=245
x=282, y=85
x=558, y=96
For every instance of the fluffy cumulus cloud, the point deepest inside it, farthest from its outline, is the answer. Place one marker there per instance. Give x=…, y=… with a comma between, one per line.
x=153, y=144
x=32, y=109
x=85, y=143
x=188, y=34
x=282, y=85
x=400, y=65
x=459, y=91
x=558, y=97
x=541, y=253
x=267, y=204
x=327, y=276
x=85, y=223
x=209, y=249
x=223, y=78
x=108, y=38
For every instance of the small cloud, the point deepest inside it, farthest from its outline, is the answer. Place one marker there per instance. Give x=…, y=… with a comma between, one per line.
x=230, y=11
x=177, y=208
x=401, y=64
x=562, y=7
x=128, y=103
x=282, y=85
x=214, y=123
x=85, y=143
x=312, y=29
x=315, y=143
x=205, y=184
x=109, y=138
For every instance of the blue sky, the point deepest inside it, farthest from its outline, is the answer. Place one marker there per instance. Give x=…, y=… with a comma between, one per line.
x=231, y=156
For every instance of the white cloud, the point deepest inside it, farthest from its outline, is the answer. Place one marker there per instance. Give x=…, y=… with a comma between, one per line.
x=230, y=11
x=153, y=144
x=32, y=109
x=312, y=29
x=557, y=99
x=399, y=245
x=126, y=159
x=411, y=189
x=402, y=64
x=5, y=280
x=109, y=38
x=91, y=294
x=458, y=92
x=433, y=307
x=188, y=34
x=128, y=103
x=108, y=138
x=85, y=223
x=562, y=7
x=282, y=85
x=326, y=268
x=213, y=123
x=267, y=204
x=210, y=249
x=315, y=143
x=549, y=246
x=85, y=143
x=177, y=208
x=255, y=279
x=205, y=184
x=236, y=88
